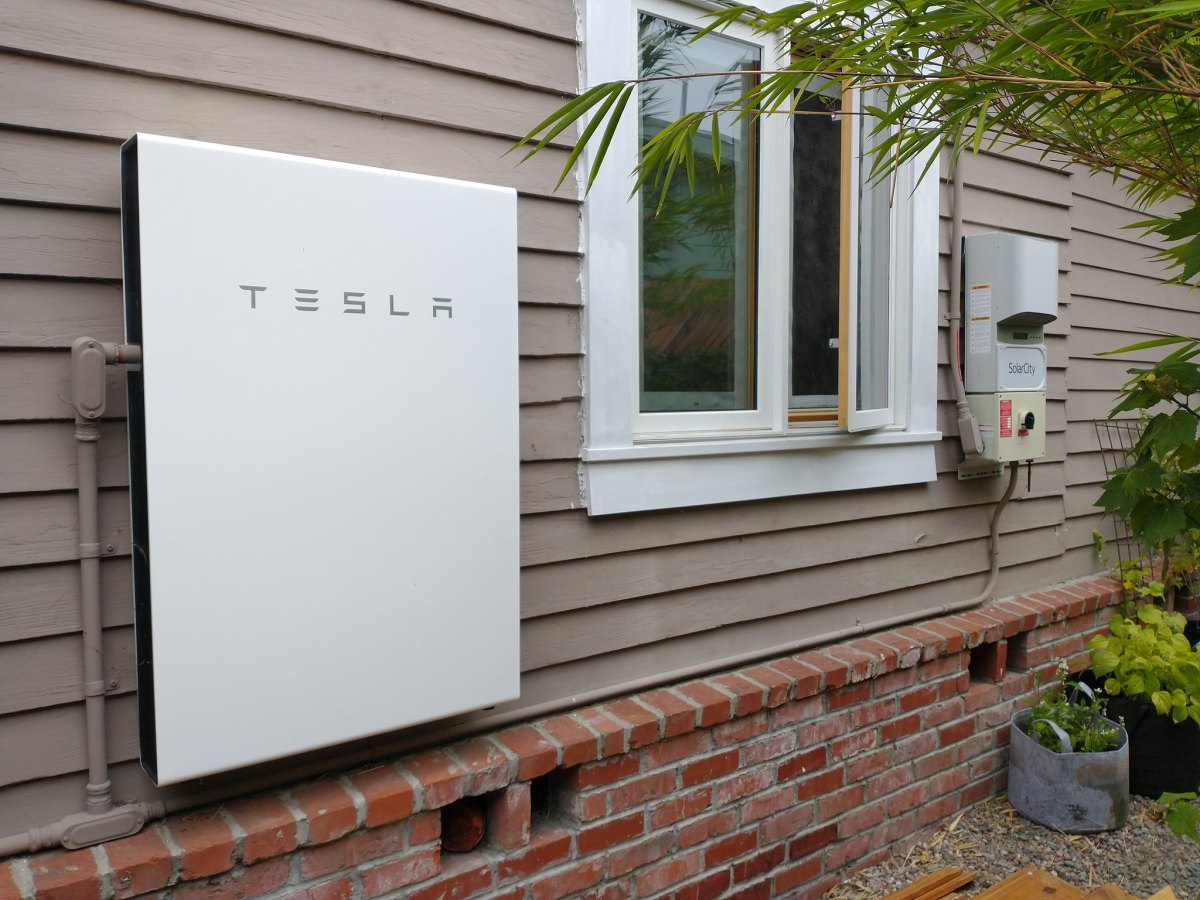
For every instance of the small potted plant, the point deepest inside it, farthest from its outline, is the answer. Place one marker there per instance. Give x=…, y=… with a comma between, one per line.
x=1069, y=765
x=1151, y=675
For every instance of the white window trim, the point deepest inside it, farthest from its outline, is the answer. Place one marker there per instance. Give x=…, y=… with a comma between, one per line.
x=625, y=470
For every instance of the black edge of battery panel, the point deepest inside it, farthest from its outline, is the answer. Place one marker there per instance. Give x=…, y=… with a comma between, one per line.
x=143, y=637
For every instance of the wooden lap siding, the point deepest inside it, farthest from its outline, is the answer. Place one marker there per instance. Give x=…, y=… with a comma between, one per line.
x=777, y=779
x=444, y=88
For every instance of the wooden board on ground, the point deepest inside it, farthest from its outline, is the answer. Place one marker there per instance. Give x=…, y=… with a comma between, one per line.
x=937, y=885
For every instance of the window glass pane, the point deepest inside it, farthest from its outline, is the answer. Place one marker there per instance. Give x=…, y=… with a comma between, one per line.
x=874, y=260
x=816, y=251
x=698, y=249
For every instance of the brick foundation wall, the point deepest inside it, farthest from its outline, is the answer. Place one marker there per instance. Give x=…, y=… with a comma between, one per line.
x=776, y=779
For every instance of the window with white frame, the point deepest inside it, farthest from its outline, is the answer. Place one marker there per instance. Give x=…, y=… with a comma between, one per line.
x=771, y=332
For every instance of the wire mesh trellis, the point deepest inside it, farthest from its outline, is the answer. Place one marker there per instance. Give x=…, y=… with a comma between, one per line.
x=1117, y=439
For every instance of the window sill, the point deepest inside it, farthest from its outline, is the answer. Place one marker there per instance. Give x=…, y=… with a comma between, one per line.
x=667, y=475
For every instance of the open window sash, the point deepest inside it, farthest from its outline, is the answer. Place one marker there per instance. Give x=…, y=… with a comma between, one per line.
x=867, y=386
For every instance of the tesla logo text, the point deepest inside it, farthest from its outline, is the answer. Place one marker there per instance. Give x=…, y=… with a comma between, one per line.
x=351, y=303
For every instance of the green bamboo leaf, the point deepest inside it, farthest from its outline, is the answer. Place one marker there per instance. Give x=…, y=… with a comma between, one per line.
x=606, y=140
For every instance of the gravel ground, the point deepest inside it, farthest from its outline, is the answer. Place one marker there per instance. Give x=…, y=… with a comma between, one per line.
x=992, y=839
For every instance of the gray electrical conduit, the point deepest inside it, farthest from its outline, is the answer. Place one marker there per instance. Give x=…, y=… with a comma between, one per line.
x=102, y=817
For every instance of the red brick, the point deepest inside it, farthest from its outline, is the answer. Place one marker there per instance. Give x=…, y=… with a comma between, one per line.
x=353, y=850
x=625, y=860
x=545, y=849
x=894, y=682
x=389, y=797
x=833, y=805
x=860, y=664
x=1027, y=617
x=952, y=636
x=803, y=763
x=768, y=803
x=424, y=828
x=785, y=824
x=974, y=793
x=675, y=749
x=579, y=744
x=8, y=884
x=206, y=842
x=334, y=889
x=980, y=696
x=847, y=852
x=645, y=727
x=947, y=782
x=937, y=809
x=895, y=829
x=949, y=688
x=709, y=827
x=854, y=744
x=603, y=772
x=66, y=875
x=397, y=873
x=728, y=848
x=573, y=880
x=991, y=626
x=710, y=767
x=142, y=863
x=798, y=711
x=680, y=806
x=758, y=864
x=759, y=891
x=946, y=665
x=536, y=753
x=943, y=712
x=488, y=767
x=1009, y=619
x=269, y=826
x=709, y=887
x=806, y=681
x=665, y=874
x=740, y=730
x=778, y=685
x=868, y=764
x=820, y=785
x=743, y=785
x=462, y=875
x=972, y=631
x=909, y=798
x=250, y=882
x=847, y=696
x=915, y=746
x=584, y=807
x=932, y=645
x=771, y=747
x=902, y=727
x=679, y=716
x=509, y=814
x=328, y=809
x=638, y=791
x=834, y=672
x=959, y=731
x=609, y=833
x=908, y=651
x=884, y=659
x=889, y=781
x=748, y=696
x=934, y=763
x=442, y=779
x=862, y=819
x=786, y=880
x=612, y=733
x=987, y=764
x=824, y=730
x=870, y=713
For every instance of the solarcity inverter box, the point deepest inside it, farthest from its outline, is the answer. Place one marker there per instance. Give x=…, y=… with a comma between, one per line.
x=324, y=450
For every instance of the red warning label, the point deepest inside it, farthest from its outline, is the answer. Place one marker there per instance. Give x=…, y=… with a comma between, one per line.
x=1005, y=418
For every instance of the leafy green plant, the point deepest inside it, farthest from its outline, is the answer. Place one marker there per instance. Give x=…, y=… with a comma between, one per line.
x=1136, y=575
x=1182, y=814
x=1147, y=658
x=1077, y=712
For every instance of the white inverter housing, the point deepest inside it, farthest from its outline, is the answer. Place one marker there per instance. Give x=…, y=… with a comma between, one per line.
x=1011, y=292
x=324, y=450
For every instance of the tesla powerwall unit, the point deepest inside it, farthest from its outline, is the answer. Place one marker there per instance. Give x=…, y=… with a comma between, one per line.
x=324, y=450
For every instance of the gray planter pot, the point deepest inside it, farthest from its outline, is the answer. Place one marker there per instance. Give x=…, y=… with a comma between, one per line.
x=1078, y=793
